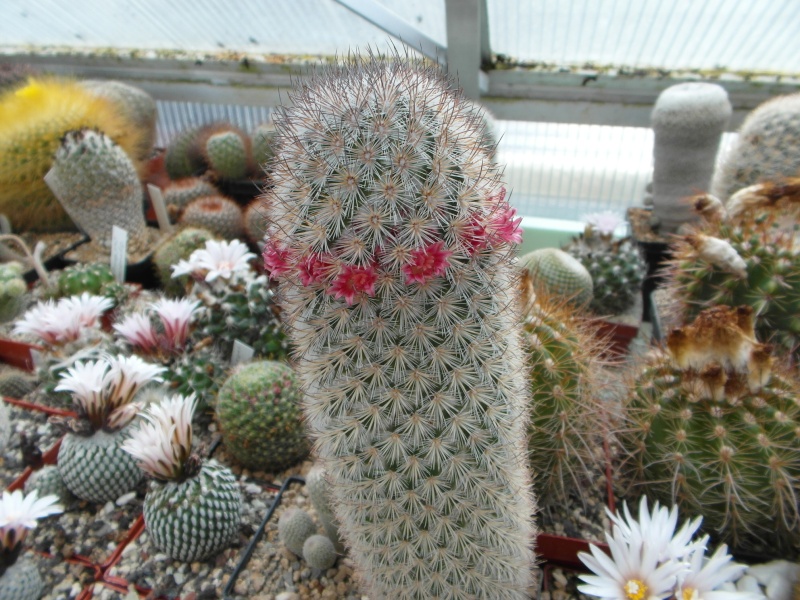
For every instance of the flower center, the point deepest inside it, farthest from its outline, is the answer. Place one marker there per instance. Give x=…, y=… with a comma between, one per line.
x=689, y=594
x=635, y=589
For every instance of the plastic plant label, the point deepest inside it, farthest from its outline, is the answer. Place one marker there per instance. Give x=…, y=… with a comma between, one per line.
x=36, y=358
x=241, y=352
x=119, y=252
x=160, y=208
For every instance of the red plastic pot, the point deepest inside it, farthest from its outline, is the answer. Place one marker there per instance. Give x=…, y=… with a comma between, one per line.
x=18, y=354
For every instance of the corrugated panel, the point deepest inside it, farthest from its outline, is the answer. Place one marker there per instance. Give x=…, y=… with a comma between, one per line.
x=174, y=117
x=745, y=35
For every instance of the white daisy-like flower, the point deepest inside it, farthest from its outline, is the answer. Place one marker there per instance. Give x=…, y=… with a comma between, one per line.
x=39, y=322
x=56, y=323
x=19, y=513
x=163, y=444
x=707, y=574
x=658, y=529
x=224, y=259
x=138, y=331
x=604, y=223
x=126, y=376
x=86, y=382
x=632, y=572
x=88, y=308
x=175, y=315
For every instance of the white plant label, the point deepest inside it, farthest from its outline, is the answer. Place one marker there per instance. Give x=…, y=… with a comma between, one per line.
x=119, y=252
x=160, y=208
x=241, y=352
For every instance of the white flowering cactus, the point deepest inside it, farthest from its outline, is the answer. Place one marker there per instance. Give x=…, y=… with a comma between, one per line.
x=219, y=261
x=164, y=339
x=193, y=507
x=90, y=461
x=392, y=243
x=20, y=579
x=650, y=560
x=67, y=320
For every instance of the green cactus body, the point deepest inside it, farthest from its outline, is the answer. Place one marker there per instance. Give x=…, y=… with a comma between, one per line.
x=771, y=285
x=194, y=519
x=393, y=247
x=247, y=312
x=180, y=160
x=264, y=142
x=319, y=552
x=617, y=271
x=294, y=527
x=766, y=149
x=566, y=426
x=136, y=105
x=558, y=274
x=13, y=290
x=181, y=192
x=319, y=490
x=98, y=186
x=254, y=221
x=258, y=408
x=178, y=246
x=95, y=468
x=228, y=154
x=198, y=372
x=16, y=383
x=94, y=278
x=713, y=431
x=218, y=214
x=47, y=481
x=21, y=581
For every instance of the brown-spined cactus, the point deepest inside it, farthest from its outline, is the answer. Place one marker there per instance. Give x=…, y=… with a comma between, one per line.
x=713, y=427
x=393, y=246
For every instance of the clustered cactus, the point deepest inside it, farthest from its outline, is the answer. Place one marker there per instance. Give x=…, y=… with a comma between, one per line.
x=13, y=290
x=393, y=245
x=92, y=278
x=298, y=532
x=713, y=427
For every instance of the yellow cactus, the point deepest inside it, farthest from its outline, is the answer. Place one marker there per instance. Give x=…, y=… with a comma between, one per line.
x=33, y=120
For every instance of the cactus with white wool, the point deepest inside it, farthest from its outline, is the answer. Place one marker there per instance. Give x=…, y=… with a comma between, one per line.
x=393, y=246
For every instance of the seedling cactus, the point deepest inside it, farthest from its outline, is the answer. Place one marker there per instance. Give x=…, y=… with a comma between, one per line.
x=319, y=552
x=193, y=507
x=393, y=243
x=713, y=428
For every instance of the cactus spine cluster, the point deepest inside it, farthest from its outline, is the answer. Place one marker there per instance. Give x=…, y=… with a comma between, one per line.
x=714, y=428
x=688, y=120
x=556, y=273
x=258, y=408
x=393, y=247
x=766, y=149
x=33, y=120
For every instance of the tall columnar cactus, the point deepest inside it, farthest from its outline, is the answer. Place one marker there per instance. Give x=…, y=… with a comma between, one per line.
x=766, y=149
x=393, y=245
x=98, y=186
x=752, y=260
x=688, y=120
x=714, y=428
x=556, y=273
x=33, y=120
x=136, y=105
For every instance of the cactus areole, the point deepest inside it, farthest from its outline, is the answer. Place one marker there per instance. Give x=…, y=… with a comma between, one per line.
x=392, y=242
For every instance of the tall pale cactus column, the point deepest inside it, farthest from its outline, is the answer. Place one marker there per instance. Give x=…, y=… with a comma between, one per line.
x=688, y=120
x=392, y=242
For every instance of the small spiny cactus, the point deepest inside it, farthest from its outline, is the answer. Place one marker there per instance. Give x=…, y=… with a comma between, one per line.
x=228, y=153
x=13, y=290
x=556, y=273
x=294, y=527
x=218, y=214
x=319, y=552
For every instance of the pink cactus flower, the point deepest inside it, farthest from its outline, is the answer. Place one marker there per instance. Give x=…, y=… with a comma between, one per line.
x=175, y=315
x=313, y=269
x=138, y=331
x=427, y=263
x=504, y=226
x=276, y=259
x=353, y=280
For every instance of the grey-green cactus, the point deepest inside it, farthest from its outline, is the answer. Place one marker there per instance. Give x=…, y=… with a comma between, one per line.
x=13, y=290
x=228, y=154
x=320, y=494
x=319, y=552
x=294, y=527
x=218, y=214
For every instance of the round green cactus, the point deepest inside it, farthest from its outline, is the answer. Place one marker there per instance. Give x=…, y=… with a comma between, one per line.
x=319, y=552
x=264, y=142
x=181, y=192
x=218, y=214
x=176, y=247
x=259, y=414
x=94, y=278
x=294, y=527
x=713, y=427
x=558, y=274
x=181, y=159
x=228, y=154
x=13, y=290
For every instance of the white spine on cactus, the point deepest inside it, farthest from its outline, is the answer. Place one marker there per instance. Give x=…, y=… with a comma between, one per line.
x=688, y=120
x=393, y=245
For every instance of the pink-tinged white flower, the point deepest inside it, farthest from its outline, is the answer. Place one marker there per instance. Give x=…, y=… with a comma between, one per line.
x=56, y=323
x=276, y=259
x=224, y=259
x=504, y=226
x=125, y=377
x=313, y=269
x=86, y=382
x=604, y=223
x=88, y=308
x=427, y=263
x=163, y=444
x=19, y=513
x=353, y=280
x=658, y=528
x=707, y=574
x=632, y=572
x=138, y=331
x=175, y=316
